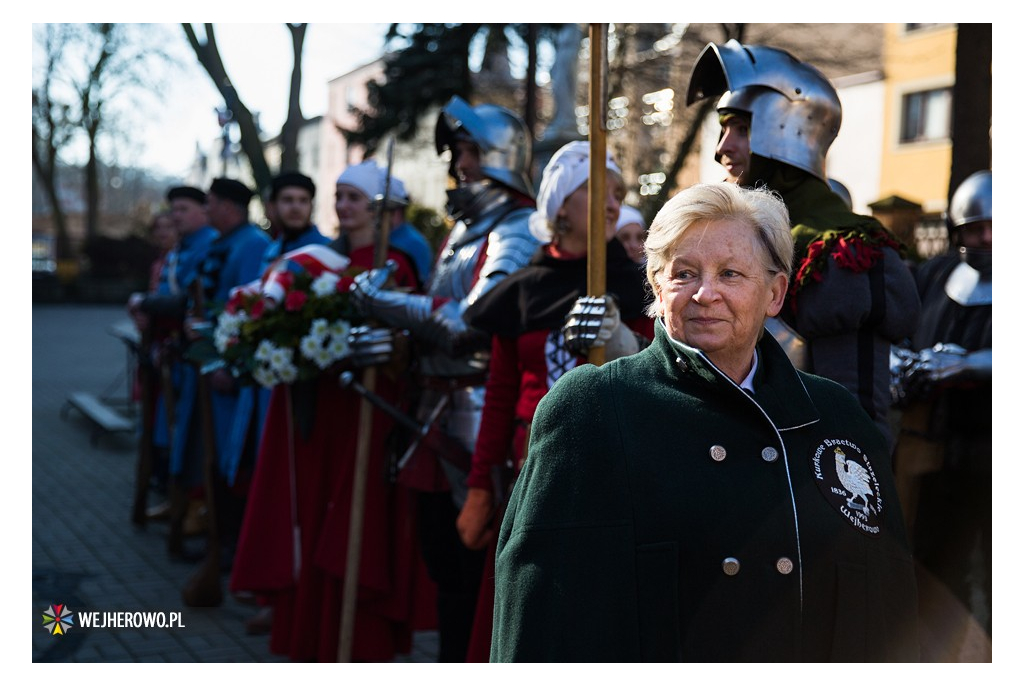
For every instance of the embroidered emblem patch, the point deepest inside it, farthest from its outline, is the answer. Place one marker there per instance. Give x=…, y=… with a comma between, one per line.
x=846, y=479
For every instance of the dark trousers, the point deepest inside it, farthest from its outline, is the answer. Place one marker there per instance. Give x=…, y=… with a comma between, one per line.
x=455, y=569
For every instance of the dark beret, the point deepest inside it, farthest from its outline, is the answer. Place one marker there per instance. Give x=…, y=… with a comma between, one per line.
x=232, y=190
x=186, y=192
x=291, y=179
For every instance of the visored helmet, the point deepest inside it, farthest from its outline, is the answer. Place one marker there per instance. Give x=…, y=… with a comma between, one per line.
x=795, y=111
x=972, y=200
x=502, y=137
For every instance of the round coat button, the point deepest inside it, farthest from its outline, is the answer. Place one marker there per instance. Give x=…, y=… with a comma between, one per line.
x=731, y=566
x=784, y=565
x=769, y=454
x=717, y=452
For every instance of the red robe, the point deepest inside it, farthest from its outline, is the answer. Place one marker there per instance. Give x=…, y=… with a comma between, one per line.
x=301, y=573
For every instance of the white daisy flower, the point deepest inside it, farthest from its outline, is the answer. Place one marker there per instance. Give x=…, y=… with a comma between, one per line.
x=264, y=350
x=319, y=328
x=338, y=347
x=324, y=285
x=340, y=328
x=287, y=373
x=323, y=358
x=280, y=357
x=310, y=346
x=231, y=324
x=264, y=376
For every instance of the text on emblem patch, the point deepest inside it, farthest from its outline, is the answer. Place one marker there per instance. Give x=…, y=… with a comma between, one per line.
x=845, y=477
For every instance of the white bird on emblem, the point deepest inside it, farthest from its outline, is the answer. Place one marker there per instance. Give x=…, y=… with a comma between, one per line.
x=855, y=479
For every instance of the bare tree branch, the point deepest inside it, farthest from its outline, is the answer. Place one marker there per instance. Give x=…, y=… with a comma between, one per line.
x=50, y=133
x=209, y=57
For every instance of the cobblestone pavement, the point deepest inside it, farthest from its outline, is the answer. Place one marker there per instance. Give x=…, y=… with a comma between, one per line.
x=86, y=554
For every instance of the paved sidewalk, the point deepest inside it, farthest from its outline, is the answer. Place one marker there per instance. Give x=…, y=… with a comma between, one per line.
x=86, y=553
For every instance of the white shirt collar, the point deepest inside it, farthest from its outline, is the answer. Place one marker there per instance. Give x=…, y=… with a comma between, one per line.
x=748, y=382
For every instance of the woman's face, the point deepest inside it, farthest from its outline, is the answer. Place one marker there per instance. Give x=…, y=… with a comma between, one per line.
x=165, y=235
x=632, y=238
x=353, y=208
x=715, y=293
x=577, y=206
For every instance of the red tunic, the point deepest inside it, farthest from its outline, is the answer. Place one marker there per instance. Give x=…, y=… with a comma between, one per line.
x=292, y=549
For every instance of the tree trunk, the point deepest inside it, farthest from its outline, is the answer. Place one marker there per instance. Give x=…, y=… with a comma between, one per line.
x=252, y=146
x=530, y=115
x=47, y=172
x=92, y=189
x=972, y=103
x=292, y=125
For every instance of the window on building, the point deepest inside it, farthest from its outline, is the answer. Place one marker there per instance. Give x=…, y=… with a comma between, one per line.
x=931, y=237
x=926, y=115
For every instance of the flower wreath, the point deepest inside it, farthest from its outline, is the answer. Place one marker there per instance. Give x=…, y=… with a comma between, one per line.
x=854, y=250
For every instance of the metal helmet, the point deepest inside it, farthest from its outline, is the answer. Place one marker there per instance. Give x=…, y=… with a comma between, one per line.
x=502, y=137
x=795, y=111
x=972, y=200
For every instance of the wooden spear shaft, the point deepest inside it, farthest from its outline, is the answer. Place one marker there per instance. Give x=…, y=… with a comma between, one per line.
x=350, y=589
x=596, y=243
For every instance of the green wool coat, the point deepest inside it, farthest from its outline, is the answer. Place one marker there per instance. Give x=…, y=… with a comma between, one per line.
x=663, y=514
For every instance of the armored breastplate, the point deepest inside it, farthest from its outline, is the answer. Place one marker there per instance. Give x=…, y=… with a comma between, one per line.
x=968, y=286
x=455, y=268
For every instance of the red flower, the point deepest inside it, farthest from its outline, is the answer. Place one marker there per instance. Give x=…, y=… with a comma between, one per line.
x=809, y=265
x=236, y=301
x=257, y=309
x=344, y=283
x=855, y=254
x=294, y=300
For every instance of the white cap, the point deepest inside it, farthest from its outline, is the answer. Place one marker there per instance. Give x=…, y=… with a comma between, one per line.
x=630, y=215
x=568, y=169
x=365, y=177
x=369, y=179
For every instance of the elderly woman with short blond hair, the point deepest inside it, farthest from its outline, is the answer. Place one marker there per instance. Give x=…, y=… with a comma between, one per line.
x=702, y=500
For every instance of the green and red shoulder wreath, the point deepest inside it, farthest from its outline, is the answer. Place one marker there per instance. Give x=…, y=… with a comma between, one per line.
x=852, y=249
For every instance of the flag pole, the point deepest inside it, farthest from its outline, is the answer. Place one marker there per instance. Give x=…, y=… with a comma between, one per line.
x=350, y=587
x=596, y=243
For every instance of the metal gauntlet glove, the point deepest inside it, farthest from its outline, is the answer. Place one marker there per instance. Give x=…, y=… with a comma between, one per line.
x=914, y=374
x=583, y=324
x=403, y=310
x=370, y=346
x=595, y=322
x=949, y=362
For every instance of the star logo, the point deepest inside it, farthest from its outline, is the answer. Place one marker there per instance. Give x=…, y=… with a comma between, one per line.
x=58, y=619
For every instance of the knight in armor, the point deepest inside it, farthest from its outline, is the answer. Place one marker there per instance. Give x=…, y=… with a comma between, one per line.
x=850, y=295
x=944, y=453
x=490, y=204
